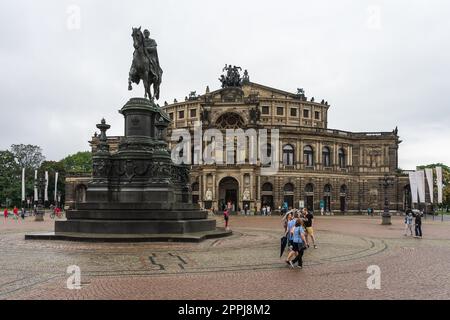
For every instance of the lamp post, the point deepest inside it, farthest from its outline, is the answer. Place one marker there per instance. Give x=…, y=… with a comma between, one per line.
x=40, y=185
x=386, y=182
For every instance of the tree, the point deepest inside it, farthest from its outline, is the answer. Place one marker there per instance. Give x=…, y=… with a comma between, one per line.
x=80, y=162
x=27, y=156
x=10, y=179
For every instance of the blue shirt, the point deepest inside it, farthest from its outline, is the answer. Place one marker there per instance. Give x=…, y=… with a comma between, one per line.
x=297, y=234
x=290, y=225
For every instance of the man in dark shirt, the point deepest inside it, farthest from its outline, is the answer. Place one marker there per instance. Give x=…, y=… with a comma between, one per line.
x=308, y=216
x=418, y=223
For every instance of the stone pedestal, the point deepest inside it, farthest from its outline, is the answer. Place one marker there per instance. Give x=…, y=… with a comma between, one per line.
x=386, y=219
x=137, y=193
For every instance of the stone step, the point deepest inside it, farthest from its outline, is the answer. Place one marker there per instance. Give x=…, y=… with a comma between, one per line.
x=135, y=226
x=129, y=214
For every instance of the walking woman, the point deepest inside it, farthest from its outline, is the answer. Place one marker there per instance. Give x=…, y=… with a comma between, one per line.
x=298, y=244
x=226, y=217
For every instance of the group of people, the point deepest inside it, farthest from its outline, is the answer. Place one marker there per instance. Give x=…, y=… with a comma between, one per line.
x=56, y=211
x=15, y=214
x=299, y=233
x=415, y=217
x=266, y=211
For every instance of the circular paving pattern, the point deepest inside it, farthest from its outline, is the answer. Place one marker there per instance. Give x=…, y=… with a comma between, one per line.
x=36, y=269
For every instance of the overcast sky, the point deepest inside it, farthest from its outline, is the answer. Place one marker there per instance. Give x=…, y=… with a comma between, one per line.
x=380, y=64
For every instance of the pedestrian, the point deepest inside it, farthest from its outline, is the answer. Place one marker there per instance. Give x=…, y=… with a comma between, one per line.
x=264, y=211
x=408, y=222
x=269, y=213
x=285, y=220
x=22, y=214
x=226, y=217
x=5, y=214
x=298, y=244
x=289, y=229
x=418, y=224
x=308, y=222
x=16, y=213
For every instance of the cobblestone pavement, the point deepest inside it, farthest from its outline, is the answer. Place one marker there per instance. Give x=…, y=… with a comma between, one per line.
x=243, y=266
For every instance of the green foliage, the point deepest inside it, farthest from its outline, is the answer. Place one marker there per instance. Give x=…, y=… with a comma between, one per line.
x=10, y=179
x=80, y=162
x=27, y=156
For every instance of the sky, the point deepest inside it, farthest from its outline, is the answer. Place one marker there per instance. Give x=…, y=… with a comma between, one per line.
x=380, y=64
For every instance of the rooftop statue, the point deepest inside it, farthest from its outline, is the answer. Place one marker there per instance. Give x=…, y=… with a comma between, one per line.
x=232, y=77
x=145, y=65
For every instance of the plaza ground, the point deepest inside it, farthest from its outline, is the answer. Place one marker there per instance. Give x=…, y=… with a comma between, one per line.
x=243, y=266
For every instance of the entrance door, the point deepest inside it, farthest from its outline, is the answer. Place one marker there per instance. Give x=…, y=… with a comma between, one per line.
x=310, y=203
x=327, y=202
x=231, y=197
x=343, y=204
x=267, y=200
x=289, y=199
x=229, y=192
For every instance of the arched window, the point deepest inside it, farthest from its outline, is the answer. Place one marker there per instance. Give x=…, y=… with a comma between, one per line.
x=308, y=156
x=230, y=120
x=341, y=156
x=195, y=187
x=326, y=157
x=267, y=187
x=327, y=188
x=343, y=189
x=288, y=187
x=288, y=155
x=309, y=188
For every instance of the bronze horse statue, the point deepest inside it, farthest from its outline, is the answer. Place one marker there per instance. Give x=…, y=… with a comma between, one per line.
x=145, y=65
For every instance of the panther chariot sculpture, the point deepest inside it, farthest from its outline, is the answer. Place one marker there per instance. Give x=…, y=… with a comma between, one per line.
x=145, y=65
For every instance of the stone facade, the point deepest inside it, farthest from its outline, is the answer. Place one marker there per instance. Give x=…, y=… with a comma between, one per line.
x=345, y=177
x=339, y=170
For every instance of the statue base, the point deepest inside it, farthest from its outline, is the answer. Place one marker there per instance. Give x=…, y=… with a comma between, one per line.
x=136, y=193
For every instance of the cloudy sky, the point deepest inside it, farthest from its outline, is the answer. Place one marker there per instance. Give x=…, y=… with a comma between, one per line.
x=380, y=64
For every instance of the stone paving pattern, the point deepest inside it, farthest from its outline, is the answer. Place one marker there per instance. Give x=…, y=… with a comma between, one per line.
x=245, y=265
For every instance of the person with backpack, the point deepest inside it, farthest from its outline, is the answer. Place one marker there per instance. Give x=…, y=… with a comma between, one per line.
x=298, y=244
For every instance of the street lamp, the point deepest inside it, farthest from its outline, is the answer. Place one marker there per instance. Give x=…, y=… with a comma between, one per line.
x=40, y=185
x=386, y=182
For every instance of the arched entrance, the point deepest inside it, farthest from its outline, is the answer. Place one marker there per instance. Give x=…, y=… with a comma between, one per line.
x=267, y=195
x=327, y=198
x=229, y=193
x=309, y=197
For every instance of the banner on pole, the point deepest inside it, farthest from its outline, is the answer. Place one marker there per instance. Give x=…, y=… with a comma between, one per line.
x=439, y=183
x=421, y=185
x=46, y=186
x=23, y=184
x=56, y=187
x=429, y=175
x=413, y=185
x=36, y=198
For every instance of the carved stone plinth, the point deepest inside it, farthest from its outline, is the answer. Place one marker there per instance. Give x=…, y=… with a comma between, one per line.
x=137, y=192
